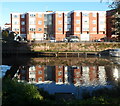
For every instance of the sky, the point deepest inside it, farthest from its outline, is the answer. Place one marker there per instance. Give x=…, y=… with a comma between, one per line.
x=8, y=7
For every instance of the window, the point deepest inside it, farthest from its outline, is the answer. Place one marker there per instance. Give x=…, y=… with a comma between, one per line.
x=85, y=29
x=94, y=14
x=39, y=29
x=39, y=66
x=32, y=22
x=40, y=15
x=59, y=22
x=40, y=22
x=59, y=29
x=32, y=29
x=23, y=23
x=15, y=29
x=15, y=22
x=77, y=21
x=59, y=15
x=77, y=28
x=32, y=15
x=94, y=28
x=85, y=14
x=39, y=72
x=22, y=16
x=102, y=22
x=15, y=16
x=94, y=21
x=77, y=14
x=23, y=29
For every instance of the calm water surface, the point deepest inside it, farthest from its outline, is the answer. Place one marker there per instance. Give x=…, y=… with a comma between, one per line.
x=64, y=75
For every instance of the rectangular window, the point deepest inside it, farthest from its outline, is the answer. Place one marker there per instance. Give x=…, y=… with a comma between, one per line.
x=77, y=14
x=85, y=14
x=39, y=72
x=94, y=21
x=39, y=29
x=59, y=15
x=33, y=22
x=102, y=22
x=40, y=79
x=22, y=22
x=77, y=21
x=40, y=15
x=94, y=28
x=40, y=22
x=94, y=14
x=15, y=16
x=15, y=22
x=23, y=29
x=23, y=16
x=59, y=80
x=32, y=29
x=59, y=29
x=59, y=22
x=32, y=15
x=77, y=28
x=59, y=73
x=85, y=29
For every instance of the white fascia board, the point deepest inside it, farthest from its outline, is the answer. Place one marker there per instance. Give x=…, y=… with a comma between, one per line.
x=16, y=13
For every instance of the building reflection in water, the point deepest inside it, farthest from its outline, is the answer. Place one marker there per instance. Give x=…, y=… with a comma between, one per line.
x=77, y=75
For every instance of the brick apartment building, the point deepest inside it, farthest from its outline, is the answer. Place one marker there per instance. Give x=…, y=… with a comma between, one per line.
x=87, y=25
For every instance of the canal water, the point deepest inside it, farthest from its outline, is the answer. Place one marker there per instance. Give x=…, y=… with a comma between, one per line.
x=70, y=75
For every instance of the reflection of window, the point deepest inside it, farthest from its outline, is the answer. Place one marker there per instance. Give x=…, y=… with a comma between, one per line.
x=39, y=66
x=23, y=78
x=59, y=80
x=59, y=73
x=39, y=72
x=23, y=29
x=59, y=29
x=40, y=79
x=39, y=29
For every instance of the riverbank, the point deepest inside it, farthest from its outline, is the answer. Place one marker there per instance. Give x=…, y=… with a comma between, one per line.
x=57, y=49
